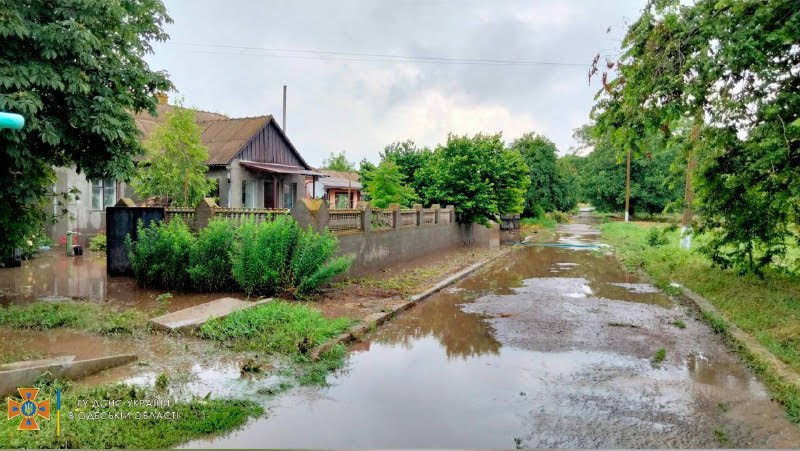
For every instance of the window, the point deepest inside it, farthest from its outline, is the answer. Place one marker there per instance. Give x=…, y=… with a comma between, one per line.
x=104, y=193
x=248, y=193
x=289, y=194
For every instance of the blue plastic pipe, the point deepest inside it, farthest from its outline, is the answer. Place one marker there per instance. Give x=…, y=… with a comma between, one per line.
x=12, y=121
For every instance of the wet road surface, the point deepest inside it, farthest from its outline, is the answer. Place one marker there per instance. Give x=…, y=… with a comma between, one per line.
x=551, y=347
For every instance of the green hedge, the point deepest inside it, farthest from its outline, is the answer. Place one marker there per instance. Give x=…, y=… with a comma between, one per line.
x=277, y=257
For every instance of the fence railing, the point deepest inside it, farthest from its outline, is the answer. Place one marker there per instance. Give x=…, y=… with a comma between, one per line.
x=343, y=220
x=361, y=220
x=237, y=215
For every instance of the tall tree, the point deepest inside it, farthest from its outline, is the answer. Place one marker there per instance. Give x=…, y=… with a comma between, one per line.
x=387, y=186
x=410, y=159
x=551, y=188
x=175, y=163
x=722, y=77
x=338, y=162
x=76, y=71
x=477, y=175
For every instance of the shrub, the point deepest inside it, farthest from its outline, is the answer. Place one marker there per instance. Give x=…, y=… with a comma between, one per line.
x=210, y=262
x=97, y=243
x=560, y=216
x=161, y=254
x=655, y=237
x=281, y=257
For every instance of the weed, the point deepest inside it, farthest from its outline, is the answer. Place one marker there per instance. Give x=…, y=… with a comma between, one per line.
x=163, y=303
x=316, y=373
x=722, y=407
x=19, y=356
x=542, y=221
x=162, y=382
x=277, y=327
x=616, y=324
x=717, y=324
x=721, y=436
x=75, y=315
x=659, y=356
x=679, y=324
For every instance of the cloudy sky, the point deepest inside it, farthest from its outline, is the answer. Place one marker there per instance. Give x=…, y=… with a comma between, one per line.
x=234, y=56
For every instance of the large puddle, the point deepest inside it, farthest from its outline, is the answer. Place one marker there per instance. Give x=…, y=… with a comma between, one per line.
x=551, y=347
x=54, y=276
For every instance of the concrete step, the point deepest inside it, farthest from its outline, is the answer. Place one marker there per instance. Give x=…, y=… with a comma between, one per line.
x=191, y=318
x=35, y=363
x=24, y=377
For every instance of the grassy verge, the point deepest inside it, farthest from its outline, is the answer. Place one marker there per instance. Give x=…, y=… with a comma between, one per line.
x=542, y=222
x=284, y=329
x=75, y=315
x=767, y=309
x=192, y=419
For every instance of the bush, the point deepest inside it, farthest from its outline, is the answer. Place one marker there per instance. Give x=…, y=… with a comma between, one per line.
x=97, y=243
x=210, y=262
x=560, y=216
x=280, y=257
x=160, y=256
x=656, y=237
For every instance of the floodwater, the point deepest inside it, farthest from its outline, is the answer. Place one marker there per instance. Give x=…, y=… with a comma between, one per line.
x=551, y=347
x=54, y=276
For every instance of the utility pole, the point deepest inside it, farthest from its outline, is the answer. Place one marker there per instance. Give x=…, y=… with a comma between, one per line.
x=284, y=109
x=628, y=186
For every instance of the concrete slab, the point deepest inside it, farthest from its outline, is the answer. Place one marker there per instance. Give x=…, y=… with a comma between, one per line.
x=193, y=317
x=24, y=377
x=35, y=363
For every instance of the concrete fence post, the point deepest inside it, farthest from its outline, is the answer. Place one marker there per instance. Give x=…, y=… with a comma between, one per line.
x=395, y=208
x=418, y=207
x=203, y=213
x=436, y=208
x=366, y=217
x=451, y=211
x=311, y=212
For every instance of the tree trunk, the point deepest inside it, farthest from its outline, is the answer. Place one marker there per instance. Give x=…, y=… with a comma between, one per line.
x=628, y=187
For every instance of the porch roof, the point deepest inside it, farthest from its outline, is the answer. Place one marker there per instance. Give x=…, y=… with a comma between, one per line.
x=276, y=168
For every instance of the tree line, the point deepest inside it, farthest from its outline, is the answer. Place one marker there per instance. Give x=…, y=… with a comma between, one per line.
x=480, y=175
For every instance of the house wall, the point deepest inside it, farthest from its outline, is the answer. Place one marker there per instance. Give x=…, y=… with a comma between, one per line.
x=355, y=196
x=233, y=192
x=80, y=217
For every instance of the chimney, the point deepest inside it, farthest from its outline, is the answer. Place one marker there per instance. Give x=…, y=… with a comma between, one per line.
x=163, y=98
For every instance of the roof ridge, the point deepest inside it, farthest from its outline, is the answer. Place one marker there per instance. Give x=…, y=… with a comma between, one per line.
x=263, y=116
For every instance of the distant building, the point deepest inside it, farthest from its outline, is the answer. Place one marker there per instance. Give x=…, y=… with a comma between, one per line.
x=340, y=189
x=253, y=161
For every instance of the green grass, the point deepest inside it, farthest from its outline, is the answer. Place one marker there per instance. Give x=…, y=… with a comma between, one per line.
x=680, y=324
x=767, y=308
x=659, y=356
x=88, y=316
x=194, y=419
x=545, y=222
x=278, y=327
x=20, y=355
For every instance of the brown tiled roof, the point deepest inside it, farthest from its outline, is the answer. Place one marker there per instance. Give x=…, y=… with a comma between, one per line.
x=223, y=136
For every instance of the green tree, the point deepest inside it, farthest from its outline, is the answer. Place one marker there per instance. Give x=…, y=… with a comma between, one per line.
x=387, y=186
x=76, y=71
x=477, y=175
x=551, y=187
x=365, y=169
x=175, y=163
x=719, y=77
x=338, y=162
x=410, y=159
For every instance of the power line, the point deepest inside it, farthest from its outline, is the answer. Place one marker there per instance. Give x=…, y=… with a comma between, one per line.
x=379, y=57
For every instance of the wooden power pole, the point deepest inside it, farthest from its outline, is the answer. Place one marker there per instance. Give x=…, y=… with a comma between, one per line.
x=628, y=186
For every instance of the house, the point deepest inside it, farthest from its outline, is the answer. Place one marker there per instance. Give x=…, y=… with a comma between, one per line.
x=253, y=161
x=341, y=189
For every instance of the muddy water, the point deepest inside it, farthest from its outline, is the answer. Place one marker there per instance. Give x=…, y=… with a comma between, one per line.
x=551, y=347
x=54, y=276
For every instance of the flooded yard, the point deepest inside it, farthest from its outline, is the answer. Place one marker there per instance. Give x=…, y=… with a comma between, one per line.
x=552, y=346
